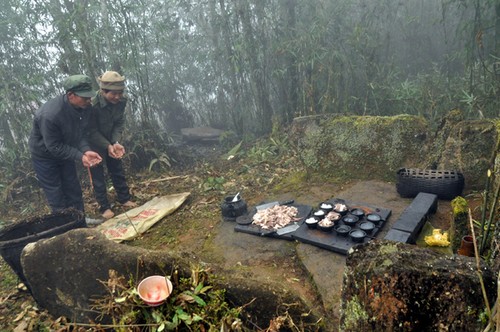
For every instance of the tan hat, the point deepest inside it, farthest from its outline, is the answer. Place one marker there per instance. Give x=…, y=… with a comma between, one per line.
x=111, y=80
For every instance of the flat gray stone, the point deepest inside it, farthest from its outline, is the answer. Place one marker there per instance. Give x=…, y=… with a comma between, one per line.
x=66, y=272
x=201, y=133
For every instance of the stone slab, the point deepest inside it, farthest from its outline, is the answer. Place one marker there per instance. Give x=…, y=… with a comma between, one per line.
x=399, y=236
x=425, y=203
x=410, y=221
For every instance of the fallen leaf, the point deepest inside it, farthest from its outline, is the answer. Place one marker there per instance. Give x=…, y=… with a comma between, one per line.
x=19, y=316
x=23, y=326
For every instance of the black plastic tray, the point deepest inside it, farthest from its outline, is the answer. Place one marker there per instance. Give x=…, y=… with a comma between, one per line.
x=303, y=212
x=332, y=241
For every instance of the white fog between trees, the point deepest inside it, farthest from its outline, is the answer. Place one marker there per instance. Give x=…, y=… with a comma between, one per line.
x=249, y=66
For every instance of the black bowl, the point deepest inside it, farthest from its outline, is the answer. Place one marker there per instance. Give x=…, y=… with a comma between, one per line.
x=333, y=216
x=244, y=220
x=311, y=222
x=358, y=213
x=374, y=218
x=319, y=214
x=350, y=220
x=367, y=226
x=325, y=206
x=340, y=208
x=342, y=230
x=325, y=228
x=357, y=235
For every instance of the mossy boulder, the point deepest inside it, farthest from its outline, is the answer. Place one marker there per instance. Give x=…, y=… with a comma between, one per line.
x=375, y=147
x=392, y=286
x=361, y=147
x=460, y=224
x=469, y=146
x=66, y=275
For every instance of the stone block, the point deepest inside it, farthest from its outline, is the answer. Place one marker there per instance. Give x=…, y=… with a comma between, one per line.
x=399, y=236
x=425, y=203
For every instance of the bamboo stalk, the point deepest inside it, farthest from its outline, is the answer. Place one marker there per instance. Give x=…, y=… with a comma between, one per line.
x=492, y=322
x=495, y=307
x=478, y=266
x=485, y=202
x=492, y=214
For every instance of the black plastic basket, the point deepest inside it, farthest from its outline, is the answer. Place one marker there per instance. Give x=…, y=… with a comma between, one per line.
x=14, y=237
x=445, y=184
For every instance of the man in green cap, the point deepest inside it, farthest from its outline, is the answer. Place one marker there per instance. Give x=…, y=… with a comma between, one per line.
x=106, y=127
x=58, y=139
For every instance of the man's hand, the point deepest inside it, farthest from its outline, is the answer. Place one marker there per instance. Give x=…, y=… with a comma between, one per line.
x=91, y=158
x=116, y=150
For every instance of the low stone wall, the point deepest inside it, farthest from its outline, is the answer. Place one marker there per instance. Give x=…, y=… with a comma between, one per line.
x=66, y=275
x=375, y=147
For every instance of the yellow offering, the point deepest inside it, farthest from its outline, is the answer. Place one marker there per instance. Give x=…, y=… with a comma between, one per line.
x=437, y=239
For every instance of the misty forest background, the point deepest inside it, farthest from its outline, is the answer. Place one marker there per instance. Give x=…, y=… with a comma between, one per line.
x=247, y=66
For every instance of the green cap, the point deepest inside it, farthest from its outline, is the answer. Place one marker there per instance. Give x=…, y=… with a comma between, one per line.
x=81, y=85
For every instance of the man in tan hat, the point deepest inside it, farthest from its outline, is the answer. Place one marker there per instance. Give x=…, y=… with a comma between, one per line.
x=106, y=127
x=58, y=139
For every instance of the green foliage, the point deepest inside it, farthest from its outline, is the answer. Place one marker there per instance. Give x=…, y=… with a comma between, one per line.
x=280, y=143
x=9, y=279
x=265, y=150
x=487, y=223
x=213, y=183
x=193, y=306
x=261, y=152
x=244, y=66
x=163, y=161
x=148, y=148
x=228, y=139
x=233, y=152
x=15, y=162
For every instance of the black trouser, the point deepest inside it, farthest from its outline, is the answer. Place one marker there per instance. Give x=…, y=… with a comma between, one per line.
x=60, y=183
x=117, y=174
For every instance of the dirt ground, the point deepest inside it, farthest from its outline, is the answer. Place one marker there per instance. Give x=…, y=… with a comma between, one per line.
x=313, y=272
x=197, y=229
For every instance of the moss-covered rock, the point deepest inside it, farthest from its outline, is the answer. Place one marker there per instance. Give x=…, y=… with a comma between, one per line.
x=361, y=146
x=398, y=287
x=459, y=227
x=470, y=148
x=66, y=275
x=375, y=147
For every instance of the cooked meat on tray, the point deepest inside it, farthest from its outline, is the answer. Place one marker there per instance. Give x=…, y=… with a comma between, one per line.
x=275, y=217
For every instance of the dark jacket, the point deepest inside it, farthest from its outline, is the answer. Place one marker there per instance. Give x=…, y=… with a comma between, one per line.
x=106, y=122
x=59, y=131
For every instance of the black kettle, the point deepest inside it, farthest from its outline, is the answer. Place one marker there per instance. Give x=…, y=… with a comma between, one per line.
x=233, y=207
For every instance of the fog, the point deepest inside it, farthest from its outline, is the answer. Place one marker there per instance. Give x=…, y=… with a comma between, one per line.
x=248, y=66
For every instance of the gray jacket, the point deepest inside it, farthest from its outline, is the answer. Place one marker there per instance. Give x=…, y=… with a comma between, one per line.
x=107, y=122
x=59, y=131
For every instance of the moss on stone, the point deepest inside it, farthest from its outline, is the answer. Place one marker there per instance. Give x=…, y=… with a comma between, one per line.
x=292, y=182
x=386, y=263
x=420, y=290
x=368, y=147
x=388, y=248
x=460, y=206
x=363, y=146
x=459, y=227
x=354, y=315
